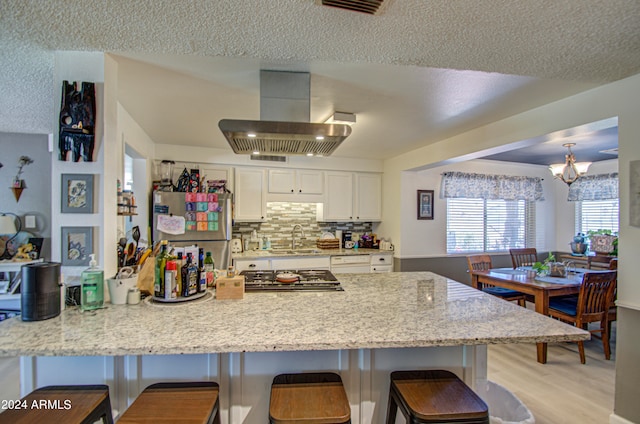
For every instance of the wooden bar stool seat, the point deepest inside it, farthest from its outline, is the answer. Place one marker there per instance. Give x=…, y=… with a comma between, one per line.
x=308, y=398
x=77, y=404
x=434, y=396
x=176, y=402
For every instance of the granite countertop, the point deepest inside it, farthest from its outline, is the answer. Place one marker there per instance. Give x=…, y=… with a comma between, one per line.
x=404, y=309
x=274, y=253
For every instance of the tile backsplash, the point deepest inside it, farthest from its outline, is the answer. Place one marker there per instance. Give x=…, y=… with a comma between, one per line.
x=282, y=216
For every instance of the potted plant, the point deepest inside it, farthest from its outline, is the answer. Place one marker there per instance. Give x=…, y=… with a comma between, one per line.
x=604, y=242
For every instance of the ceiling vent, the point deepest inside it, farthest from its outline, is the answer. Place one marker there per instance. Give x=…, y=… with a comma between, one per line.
x=284, y=128
x=365, y=6
x=269, y=158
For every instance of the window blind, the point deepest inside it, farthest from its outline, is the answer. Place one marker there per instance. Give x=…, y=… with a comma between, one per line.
x=479, y=225
x=592, y=215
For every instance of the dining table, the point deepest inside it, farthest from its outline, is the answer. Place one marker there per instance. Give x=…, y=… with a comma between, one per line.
x=541, y=288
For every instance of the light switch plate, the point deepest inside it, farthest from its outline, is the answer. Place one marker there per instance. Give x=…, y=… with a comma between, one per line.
x=30, y=221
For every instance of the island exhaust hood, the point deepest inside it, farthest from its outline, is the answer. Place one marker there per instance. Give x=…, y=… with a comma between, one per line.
x=284, y=128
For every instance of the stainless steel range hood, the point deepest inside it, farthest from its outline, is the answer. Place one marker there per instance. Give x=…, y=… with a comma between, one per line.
x=284, y=127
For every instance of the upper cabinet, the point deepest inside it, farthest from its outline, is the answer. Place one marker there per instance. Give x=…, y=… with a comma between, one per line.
x=295, y=181
x=368, y=197
x=351, y=196
x=250, y=195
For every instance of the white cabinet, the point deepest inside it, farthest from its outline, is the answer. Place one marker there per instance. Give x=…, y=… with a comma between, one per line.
x=250, y=195
x=381, y=262
x=304, y=262
x=368, y=197
x=351, y=196
x=251, y=264
x=338, y=204
x=295, y=181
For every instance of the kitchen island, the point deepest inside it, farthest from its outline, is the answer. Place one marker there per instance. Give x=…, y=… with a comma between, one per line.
x=379, y=323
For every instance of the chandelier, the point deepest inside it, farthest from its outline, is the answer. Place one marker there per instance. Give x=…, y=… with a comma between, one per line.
x=570, y=170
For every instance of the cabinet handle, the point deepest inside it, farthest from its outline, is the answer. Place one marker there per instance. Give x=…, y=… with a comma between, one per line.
x=252, y=265
x=291, y=190
x=299, y=191
x=381, y=259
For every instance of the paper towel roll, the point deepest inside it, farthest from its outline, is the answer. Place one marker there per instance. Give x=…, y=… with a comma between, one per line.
x=339, y=236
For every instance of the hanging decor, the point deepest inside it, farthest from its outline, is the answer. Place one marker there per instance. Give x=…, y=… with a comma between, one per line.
x=492, y=187
x=18, y=185
x=77, y=121
x=594, y=187
x=570, y=170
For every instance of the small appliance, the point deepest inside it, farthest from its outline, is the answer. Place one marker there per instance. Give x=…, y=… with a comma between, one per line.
x=40, y=291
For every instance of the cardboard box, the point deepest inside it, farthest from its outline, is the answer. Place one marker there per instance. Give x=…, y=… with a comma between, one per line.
x=230, y=287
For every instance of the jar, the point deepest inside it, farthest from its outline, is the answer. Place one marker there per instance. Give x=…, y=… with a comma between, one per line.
x=133, y=296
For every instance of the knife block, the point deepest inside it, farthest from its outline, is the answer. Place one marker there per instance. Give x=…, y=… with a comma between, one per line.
x=230, y=287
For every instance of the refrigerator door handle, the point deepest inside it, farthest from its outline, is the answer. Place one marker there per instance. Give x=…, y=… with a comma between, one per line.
x=228, y=217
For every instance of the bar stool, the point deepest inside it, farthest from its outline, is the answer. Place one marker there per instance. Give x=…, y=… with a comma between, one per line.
x=183, y=402
x=308, y=398
x=77, y=404
x=434, y=396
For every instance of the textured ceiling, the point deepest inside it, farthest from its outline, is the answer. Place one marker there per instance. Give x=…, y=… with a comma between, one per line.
x=430, y=68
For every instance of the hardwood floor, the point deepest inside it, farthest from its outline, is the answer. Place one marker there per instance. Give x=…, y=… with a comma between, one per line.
x=562, y=391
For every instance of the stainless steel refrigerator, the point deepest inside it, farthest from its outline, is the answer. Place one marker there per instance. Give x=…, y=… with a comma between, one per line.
x=204, y=219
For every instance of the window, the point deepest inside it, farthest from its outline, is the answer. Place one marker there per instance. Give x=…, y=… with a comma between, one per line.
x=592, y=215
x=479, y=225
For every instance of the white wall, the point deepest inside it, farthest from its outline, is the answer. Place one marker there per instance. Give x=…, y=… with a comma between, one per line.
x=428, y=238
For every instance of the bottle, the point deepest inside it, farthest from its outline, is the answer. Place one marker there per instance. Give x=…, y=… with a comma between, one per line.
x=92, y=290
x=179, y=266
x=209, y=269
x=170, y=277
x=184, y=289
x=192, y=276
x=202, y=275
x=161, y=261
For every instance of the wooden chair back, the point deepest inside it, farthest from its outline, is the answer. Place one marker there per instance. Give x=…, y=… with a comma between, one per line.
x=523, y=257
x=596, y=293
x=479, y=262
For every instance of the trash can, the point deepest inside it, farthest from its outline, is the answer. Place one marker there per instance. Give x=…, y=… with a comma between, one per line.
x=504, y=406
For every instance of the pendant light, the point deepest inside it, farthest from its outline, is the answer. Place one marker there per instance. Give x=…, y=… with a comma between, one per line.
x=570, y=170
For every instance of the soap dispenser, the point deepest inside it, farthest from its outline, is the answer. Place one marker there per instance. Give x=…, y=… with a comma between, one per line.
x=92, y=290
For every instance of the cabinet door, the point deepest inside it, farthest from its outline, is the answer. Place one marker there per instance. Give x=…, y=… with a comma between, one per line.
x=281, y=181
x=309, y=182
x=250, y=195
x=368, y=198
x=339, y=197
x=251, y=264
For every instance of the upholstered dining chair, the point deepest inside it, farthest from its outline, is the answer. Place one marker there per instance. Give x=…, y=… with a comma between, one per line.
x=483, y=263
x=591, y=305
x=523, y=257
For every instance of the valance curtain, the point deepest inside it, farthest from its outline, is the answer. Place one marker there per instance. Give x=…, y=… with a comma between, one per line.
x=492, y=187
x=594, y=187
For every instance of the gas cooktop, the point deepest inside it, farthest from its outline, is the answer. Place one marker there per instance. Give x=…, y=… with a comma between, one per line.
x=290, y=280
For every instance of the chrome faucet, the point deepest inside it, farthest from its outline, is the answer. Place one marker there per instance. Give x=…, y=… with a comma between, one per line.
x=293, y=235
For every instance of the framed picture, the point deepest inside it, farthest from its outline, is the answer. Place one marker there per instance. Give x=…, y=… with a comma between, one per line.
x=425, y=204
x=77, y=245
x=77, y=193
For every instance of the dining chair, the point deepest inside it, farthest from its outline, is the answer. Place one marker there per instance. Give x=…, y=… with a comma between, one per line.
x=483, y=263
x=591, y=305
x=523, y=257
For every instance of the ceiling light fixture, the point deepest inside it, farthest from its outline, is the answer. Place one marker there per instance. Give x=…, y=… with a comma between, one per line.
x=344, y=118
x=570, y=170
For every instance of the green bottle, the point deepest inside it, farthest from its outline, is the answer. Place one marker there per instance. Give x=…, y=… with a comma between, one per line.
x=208, y=269
x=161, y=262
x=92, y=289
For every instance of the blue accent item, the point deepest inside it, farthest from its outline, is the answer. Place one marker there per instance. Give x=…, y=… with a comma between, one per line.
x=567, y=305
x=501, y=292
